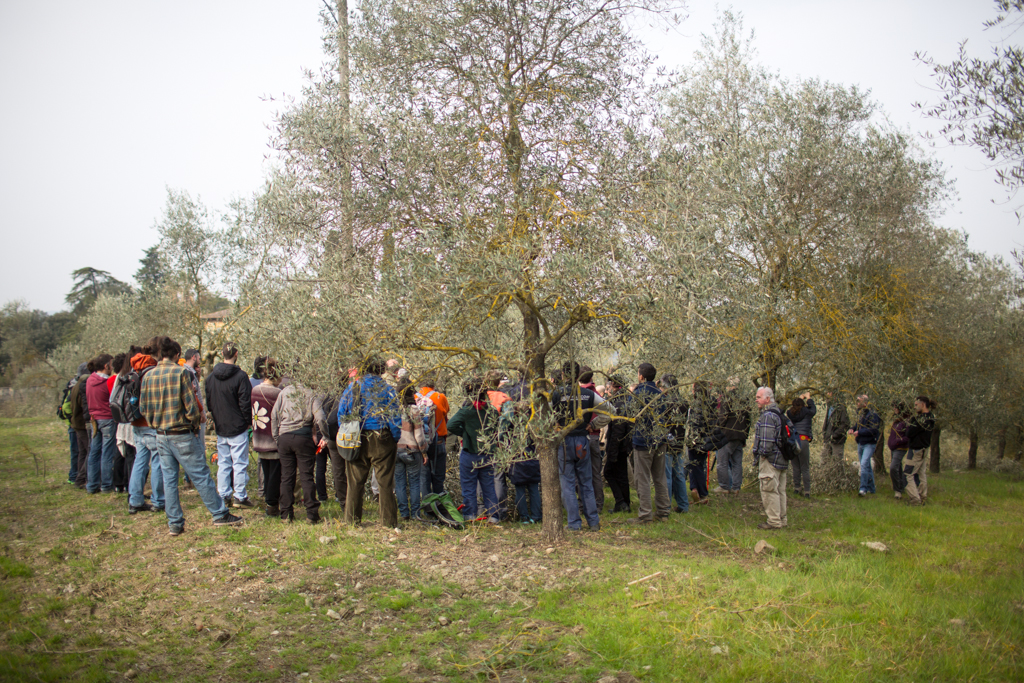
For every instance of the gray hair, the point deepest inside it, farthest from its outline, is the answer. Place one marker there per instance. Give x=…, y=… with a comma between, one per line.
x=768, y=392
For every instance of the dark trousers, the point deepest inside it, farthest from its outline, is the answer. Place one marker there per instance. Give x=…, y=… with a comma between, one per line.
x=377, y=451
x=698, y=470
x=320, y=474
x=531, y=513
x=297, y=451
x=83, y=457
x=432, y=473
x=616, y=473
x=896, y=473
x=271, y=481
x=338, y=473
x=124, y=461
x=73, y=443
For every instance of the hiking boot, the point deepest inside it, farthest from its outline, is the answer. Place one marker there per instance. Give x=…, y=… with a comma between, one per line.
x=175, y=530
x=272, y=511
x=244, y=503
x=227, y=519
x=145, y=507
x=768, y=527
x=637, y=520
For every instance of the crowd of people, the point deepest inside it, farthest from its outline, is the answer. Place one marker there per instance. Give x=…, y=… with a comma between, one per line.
x=143, y=415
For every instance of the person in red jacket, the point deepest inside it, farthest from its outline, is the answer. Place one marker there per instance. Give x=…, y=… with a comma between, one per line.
x=104, y=445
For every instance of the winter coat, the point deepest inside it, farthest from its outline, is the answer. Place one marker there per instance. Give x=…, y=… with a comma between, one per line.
x=898, y=440
x=868, y=426
x=264, y=397
x=229, y=399
x=618, y=439
x=295, y=411
x=733, y=420
x=837, y=423
x=919, y=431
x=802, y=419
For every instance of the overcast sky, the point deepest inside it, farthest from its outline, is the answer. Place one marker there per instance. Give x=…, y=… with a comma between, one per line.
x=107, y=103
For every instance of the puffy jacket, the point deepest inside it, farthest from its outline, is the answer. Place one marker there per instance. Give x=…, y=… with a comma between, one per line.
x=229, y=399
x=869, y=426
x=98, y=396
x=837, y=422
x=802, y=419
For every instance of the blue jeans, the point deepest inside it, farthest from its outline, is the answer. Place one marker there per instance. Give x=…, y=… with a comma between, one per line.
x=865, y=451
x=534, y=512
x=432, y=474
x=675, y=475
x=572, y=468
x=101, y=457
x=179, y=450
x=730, y=466
x=477, y=469
x=73, y=439
x=232, y=463
x=407, y=485
x=146, y=458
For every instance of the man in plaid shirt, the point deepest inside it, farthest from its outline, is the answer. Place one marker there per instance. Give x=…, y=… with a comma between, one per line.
x=168, y=402
x=771, y=464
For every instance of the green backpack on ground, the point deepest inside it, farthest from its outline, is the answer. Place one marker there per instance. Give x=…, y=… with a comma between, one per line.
x=439, y=508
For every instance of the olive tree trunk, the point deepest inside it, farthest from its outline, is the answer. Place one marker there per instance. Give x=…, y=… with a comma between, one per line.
x=972, y=450
x=936, y=453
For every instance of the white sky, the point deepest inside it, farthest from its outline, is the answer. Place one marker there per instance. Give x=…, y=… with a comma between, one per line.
x=107, y=103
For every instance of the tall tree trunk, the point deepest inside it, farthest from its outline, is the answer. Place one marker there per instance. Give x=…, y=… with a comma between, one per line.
x=1001, y=444
x=551, y=496
x=936, y=454
x=972, y=451
x=879, y=456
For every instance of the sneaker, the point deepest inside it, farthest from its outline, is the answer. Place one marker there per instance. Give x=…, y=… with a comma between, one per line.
x=719, y=489
x=176, y=530
x=767, y=526
x=862, y=493
x=227, y=519
x=227, y=502
x=70, y=481
x=806, y=494
x=244, y=503
x=158, y=508
x=898, y=495
x=145, y=507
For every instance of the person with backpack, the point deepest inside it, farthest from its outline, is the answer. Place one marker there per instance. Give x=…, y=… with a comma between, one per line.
x=801, y=413
x=77, y=410
x=866, y=431
x=769, y=459
x=147, y=454
x=373, y=402
x=411, y=454
x=104, y=445
x=229, y=400
x=433, y=472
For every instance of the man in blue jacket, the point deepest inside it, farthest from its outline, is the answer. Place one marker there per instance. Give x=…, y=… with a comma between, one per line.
x=649, y=435
x=866, y=431
x=380, y=429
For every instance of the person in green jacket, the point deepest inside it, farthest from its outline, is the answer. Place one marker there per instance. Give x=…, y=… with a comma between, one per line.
x=477, y=424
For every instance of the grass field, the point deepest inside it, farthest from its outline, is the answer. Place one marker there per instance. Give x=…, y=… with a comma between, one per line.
x=89, y=593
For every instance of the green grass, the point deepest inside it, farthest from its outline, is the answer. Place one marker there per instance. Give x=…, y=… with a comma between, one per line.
x=87, y=592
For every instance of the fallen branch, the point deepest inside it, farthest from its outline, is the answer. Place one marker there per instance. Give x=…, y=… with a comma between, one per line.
x=112, y=530
x=644, y=579
x=710, y=538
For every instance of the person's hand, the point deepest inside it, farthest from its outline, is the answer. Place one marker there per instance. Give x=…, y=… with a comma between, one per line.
x=323, y=443
x=424, y=458
x=806, y=395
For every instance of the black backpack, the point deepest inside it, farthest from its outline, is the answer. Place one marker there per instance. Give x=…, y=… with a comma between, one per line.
x=124, y=399
x=789, y=443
